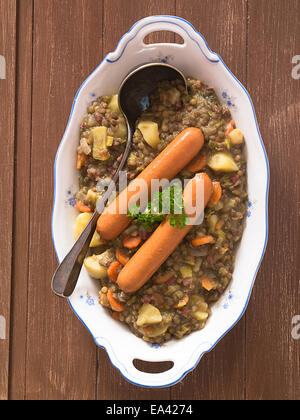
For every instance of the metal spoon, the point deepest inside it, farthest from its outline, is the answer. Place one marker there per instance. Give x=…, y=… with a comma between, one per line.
x=133, y=100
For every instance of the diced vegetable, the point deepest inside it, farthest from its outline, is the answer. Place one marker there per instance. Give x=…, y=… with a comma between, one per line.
x=113, y=270
x=222, y=162
x=163, y=279
x=131, y=241
x=94, y=268
x=121, y=256
x=200, y=316
x=114, y=104
x=116, y=316
x=92, y=196
x=236, y=136
x=203, y=240
x=96, y=240
x=229, y=127
x=99, y=135
x=227, y=142
x=149, y=130
x=217, y=193
x=115, y=304
x=186, y=271
x=81, y=158
x=212, y=221
x=109, y=141
x=82, y=207
x=122, y=130
x=80, y=223
x=182, y=302
x=208, y=283
x=219, y=224
x=148, y=314
x=103, y=299
x=156, y=330
x=197, y=163
x=221, y=236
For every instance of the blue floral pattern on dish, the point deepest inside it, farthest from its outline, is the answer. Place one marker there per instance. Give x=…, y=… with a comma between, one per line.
x=90, y=301
x=228, y=99
x=228, y=299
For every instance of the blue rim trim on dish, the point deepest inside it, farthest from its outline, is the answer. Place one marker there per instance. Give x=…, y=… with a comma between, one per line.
x=173, y=23
x=266, y=202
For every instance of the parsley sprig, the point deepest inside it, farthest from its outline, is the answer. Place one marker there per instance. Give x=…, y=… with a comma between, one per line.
x=169, y=201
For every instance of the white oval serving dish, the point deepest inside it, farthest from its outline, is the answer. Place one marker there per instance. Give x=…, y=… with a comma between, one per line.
x=193, y=58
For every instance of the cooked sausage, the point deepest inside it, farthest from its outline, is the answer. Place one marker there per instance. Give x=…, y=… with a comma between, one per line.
x=153, y=253
x=165, y=166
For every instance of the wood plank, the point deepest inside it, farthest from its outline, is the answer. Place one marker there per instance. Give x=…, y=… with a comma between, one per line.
x=22, y=203
x=111, y=384
x=220, y=374
x=61, y=355
x=273, y=356
x=7, y=131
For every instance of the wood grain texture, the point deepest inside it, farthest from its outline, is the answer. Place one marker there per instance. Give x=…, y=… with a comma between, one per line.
x=21, y=201
x=50, y=47
x=220, y=374
x=273, y=357
x=7, y=132
x=61, y=355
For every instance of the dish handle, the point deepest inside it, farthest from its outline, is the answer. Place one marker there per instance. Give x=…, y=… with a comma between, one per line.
x=133, y=41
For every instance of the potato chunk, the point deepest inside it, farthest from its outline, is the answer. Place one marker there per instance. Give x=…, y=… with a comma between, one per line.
x=236, y=136
x=92, y=196
x=80, y=223
x=148, y=314
x=96, y=240
x=114, y=104
x=200, y=316
x=94, y=268
x=99, y=135
x=222, y=162
x=150, y=133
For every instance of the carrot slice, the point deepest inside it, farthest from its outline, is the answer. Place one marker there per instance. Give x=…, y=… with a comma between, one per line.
x=208, y=283
x=203, y=240
x=112, y=270
x=229, y=127
x=81, y=158
x=197, y=163
x=114, y=303
x=82, y=207
x=217, y=193
x=121, y=256
x=132, y=241
x=163, y=279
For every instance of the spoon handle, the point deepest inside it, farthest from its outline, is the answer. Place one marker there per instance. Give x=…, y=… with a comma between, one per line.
x=66, y=276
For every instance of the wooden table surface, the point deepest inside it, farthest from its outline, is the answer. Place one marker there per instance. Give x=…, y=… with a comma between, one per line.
x=49, y=48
